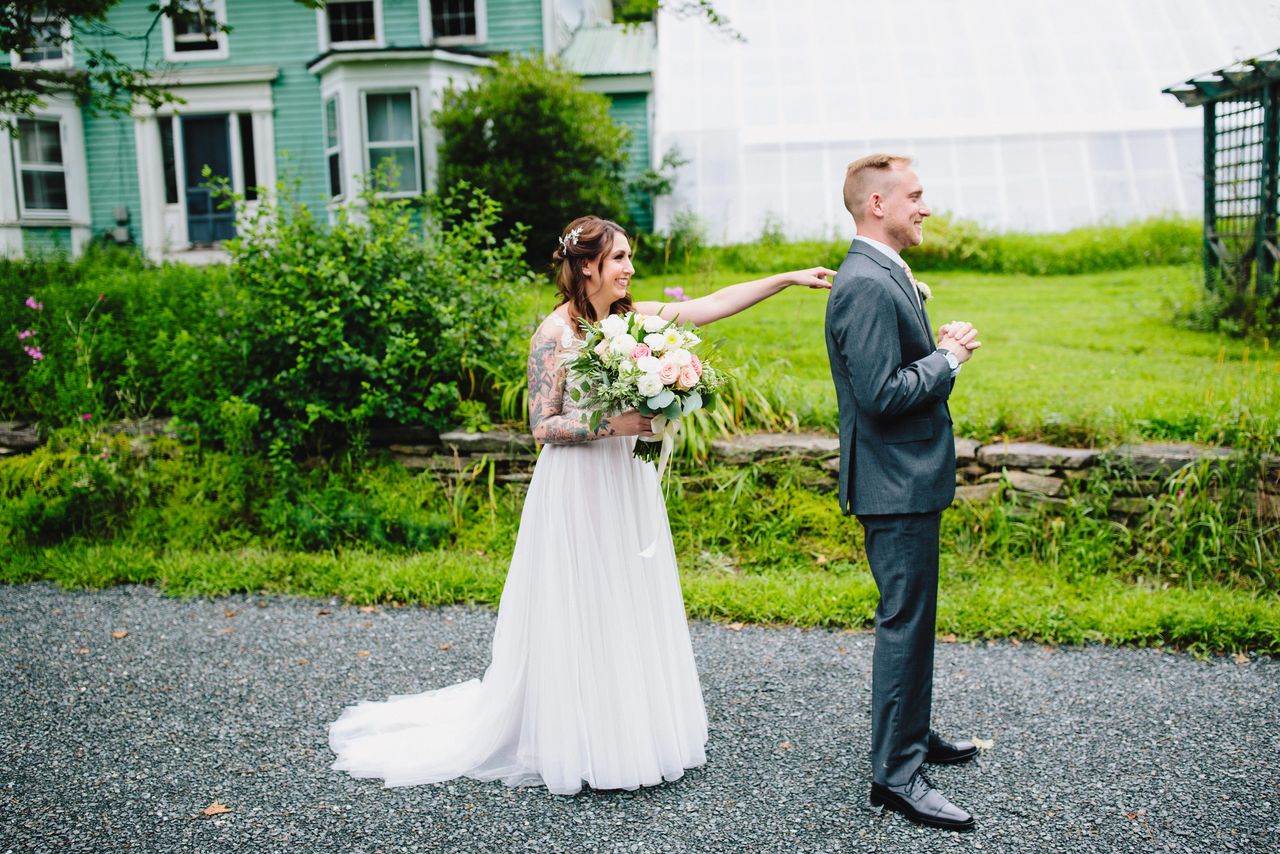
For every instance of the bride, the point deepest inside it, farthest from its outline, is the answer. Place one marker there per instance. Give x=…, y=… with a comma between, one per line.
x=592, y=677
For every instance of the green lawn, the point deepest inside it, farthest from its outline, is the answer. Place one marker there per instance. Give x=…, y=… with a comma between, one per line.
x=1080, y=359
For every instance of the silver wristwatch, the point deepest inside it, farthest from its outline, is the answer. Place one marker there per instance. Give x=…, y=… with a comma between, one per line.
x=952, y=362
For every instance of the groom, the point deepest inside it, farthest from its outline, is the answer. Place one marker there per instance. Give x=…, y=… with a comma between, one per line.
x=897, y=470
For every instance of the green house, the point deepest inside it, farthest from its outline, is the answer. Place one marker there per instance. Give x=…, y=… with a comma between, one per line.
x=316, y=95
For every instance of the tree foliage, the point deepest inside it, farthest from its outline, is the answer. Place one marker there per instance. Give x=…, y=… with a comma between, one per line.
x=530, y=137
x=100, y=81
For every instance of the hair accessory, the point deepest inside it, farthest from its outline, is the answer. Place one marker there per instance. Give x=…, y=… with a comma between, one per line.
x=571, y=237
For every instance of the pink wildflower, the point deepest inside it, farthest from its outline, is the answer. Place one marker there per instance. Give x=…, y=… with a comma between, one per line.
x=676, y=294
x=25, y=334
x=34, y=353
x=87, y=416
x=103, y=455
x=33, y=305
x=102, y=297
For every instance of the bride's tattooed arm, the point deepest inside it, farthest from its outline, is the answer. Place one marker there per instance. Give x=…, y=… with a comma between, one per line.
x=546, y=399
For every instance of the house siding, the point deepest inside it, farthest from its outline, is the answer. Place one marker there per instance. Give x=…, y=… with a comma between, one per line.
x=45, y=242
x=631, y=110
x=515, y=26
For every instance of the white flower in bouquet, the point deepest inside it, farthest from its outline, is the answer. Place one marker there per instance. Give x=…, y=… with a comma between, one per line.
x=649, y=385
x=622, y=344
x=648, y=364
x=671, y=339
x=654, y=341
x=613, y=326
x=654, y=323
x=680, y=356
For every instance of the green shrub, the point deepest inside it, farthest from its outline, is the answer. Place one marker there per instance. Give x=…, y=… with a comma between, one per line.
x=530, y=137
x=164, y=339
x=374, y=318
x=953, y=244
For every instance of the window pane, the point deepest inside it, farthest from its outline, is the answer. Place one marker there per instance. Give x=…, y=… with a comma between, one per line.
x=45, y=191
x=48, y=39
x=351, y=21
x=390, y=117
x=170, y=162
x=246, y=157
x=406, y=178
x=335, y=174
x=195, y=26
x=453, y=18
x=330, y=124
x=39, y=141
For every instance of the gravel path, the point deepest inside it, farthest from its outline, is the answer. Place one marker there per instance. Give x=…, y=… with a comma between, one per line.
x=119, y=743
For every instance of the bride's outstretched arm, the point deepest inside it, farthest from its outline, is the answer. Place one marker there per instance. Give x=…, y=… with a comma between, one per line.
x=734, y=298
x=546, y=403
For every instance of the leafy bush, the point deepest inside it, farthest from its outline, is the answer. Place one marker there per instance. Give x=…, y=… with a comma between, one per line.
x=954, y=244
x=531, y=138
x=368, y=320
x=118, y=338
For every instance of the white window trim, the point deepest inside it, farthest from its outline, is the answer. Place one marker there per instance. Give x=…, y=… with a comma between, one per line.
x=63, y=109
x=223, y=50
x=322, y=32
x=412, y=92
x=15, y=58
x=44, y=214
x=336, y=148
x=482, y=26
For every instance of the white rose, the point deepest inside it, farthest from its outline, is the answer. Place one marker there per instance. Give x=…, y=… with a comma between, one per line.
x=622, y=344
x=613, y=326
x=649, y=385
x=680, y=356
x=656, y=341
x=648, y=364
x=626, y=366
x=653, y=323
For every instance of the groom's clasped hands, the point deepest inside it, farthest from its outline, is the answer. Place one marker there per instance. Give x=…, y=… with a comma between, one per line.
x=960, y=337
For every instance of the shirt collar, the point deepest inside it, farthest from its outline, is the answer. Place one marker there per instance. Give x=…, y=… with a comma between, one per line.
x=876, y=244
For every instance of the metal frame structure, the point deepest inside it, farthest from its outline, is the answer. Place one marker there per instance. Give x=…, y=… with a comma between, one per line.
x=1241, y=171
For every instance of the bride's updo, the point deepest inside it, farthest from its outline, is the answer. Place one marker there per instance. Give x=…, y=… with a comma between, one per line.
x=584, y=242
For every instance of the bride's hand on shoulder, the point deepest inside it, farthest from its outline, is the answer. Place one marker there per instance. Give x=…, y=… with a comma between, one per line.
x=631, y=423
x=814, y=277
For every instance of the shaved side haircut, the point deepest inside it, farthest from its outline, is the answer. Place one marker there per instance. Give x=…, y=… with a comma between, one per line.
x=868, y=175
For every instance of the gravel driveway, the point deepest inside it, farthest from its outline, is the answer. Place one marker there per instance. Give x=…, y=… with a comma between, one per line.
x=119, y=742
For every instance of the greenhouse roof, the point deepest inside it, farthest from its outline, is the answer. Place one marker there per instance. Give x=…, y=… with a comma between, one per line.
x=613, y=49
x=1225, y=82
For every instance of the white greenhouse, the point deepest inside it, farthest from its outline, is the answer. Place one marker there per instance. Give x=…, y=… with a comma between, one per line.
x=1021, y=114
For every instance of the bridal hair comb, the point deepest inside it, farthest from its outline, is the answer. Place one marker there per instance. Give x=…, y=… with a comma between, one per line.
x=570, y=238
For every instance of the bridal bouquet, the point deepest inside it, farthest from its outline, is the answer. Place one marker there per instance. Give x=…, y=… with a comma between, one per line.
x=636, y=361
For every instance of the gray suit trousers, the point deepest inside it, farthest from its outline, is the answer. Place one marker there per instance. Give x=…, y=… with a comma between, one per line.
x=903, y=552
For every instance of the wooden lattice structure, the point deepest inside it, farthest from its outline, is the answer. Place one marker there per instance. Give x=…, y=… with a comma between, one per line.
x=1241, y=148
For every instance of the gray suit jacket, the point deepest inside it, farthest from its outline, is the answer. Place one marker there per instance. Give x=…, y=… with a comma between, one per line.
x=897, y=452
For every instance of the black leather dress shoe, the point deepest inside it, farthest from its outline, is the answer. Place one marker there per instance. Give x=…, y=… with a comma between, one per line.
x=920, y=802
x=943, y=752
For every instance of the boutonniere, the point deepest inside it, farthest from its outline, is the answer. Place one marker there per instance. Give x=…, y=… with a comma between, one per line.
x=925, y=293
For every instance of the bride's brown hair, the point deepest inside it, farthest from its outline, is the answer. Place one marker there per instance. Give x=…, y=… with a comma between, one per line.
x=585, y=242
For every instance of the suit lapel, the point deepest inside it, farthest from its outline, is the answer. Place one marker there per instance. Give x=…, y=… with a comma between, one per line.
x=917, y=302
x=899, y=277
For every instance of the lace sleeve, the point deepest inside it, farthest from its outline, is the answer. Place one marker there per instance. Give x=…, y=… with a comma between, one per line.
x=547, y=420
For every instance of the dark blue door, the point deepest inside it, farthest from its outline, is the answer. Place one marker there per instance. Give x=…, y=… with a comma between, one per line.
x=206, y=141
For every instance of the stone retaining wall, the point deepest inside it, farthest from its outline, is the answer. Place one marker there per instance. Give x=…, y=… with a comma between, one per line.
x=1033, y=471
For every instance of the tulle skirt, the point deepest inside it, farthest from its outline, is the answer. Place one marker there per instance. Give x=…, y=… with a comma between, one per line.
x=592, y=678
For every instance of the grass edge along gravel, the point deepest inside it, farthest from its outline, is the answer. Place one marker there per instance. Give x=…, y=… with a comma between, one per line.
x=1013, y=599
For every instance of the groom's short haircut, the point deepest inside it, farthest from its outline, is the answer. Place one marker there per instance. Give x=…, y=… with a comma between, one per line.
x=867, y=175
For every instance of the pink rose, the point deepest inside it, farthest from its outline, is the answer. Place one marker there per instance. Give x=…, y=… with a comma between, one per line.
x=696, y=364
x=688, y=378
x=641, y=351
x=669, y=372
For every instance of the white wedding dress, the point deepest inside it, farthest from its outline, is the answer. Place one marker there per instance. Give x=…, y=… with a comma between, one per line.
x=592, y=677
